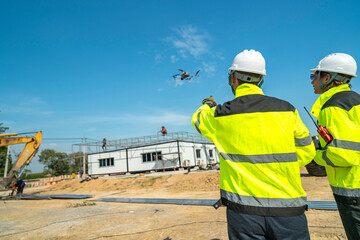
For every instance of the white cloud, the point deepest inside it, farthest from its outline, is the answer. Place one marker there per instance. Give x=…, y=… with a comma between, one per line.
x=33, y=101
x=92, y=129
x=158, y=57
x=173, y=58
x=179, y=82
x=7, y=123
x=156, y=118
x=190, y=41
x=63, y=147
x=27, y=111
x=26, y=106
x=52, y=145
x=208, y=67
x=167, y=118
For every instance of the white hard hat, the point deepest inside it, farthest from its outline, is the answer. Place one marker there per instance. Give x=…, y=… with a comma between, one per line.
x=250, y=61
x=337, y=63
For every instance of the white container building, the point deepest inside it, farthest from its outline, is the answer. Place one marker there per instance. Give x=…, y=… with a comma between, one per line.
x=151, y=153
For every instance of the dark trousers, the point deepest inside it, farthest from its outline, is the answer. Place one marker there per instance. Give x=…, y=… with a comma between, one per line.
x=349, y=209
x=245, y=226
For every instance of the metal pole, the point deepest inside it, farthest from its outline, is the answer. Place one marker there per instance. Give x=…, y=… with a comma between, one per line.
x=195, y=159
x=207, y=158
x=7, y=161
x=178, y=147
x=127, y=161
x=84, y=154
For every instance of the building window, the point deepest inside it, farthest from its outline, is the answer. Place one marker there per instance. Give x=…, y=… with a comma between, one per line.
x=198, y=153
x=156, y=156
x=146, y=157
x=211, y=153
x=153, y=156
x=106, y=162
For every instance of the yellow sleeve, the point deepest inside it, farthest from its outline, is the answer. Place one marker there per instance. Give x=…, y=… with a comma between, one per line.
x=203, y=121
x=305, y=149
x=344, y=149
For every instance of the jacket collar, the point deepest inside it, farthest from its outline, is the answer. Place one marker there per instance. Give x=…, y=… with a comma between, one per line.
x=325, y=97
x=247, y=89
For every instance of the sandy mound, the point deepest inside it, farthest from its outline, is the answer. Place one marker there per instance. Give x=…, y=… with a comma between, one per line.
x=193, y=182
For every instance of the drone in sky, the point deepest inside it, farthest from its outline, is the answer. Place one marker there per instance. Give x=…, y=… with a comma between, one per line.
x=185, y=75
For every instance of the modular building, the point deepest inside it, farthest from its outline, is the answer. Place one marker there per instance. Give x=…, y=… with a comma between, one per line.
x=151, y=153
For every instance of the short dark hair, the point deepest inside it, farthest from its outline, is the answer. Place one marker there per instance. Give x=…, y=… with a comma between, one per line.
x=323, y=74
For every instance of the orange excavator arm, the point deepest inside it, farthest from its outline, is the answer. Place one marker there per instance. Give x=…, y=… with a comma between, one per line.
x=32, y=145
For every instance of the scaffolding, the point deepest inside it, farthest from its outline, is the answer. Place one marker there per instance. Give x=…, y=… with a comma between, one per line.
x=113, y=145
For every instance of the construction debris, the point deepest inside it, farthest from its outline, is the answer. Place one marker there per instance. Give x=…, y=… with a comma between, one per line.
x=203, y=202
x=323, y=205
x=25, y=197
x=88, y=178
x=45, y=197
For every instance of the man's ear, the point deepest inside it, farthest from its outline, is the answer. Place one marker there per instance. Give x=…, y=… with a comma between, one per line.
x=327, y=77
x=233, y=79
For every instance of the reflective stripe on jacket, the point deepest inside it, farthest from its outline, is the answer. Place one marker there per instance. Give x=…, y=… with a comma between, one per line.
x=262, y=143
x=338, y=109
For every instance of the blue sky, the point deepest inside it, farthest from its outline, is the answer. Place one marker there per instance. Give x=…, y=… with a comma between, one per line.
x=95, y=69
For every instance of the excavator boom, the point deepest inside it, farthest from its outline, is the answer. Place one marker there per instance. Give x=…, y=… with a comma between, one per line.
x=32, y=145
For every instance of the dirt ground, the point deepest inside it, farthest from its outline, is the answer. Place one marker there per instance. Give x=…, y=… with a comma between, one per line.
x=79, y=219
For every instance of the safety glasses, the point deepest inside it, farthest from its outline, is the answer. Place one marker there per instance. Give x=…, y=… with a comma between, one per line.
x=312, y=76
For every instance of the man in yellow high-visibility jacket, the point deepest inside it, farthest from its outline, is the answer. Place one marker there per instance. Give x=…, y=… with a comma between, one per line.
x=338, y=110
x=262, y=144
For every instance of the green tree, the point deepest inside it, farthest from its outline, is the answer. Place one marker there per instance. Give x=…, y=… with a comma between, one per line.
x=3, y=153
x=27, y=171
x=3, y=129
x=77, y=162
x=56, y=163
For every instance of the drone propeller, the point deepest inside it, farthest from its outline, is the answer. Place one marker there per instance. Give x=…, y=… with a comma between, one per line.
x=196, y=74
x=181, y=70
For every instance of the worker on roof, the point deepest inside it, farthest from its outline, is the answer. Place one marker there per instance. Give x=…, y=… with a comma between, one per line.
x=163, y=131
x=338, y=110
x=262, y=144
x=104, y=144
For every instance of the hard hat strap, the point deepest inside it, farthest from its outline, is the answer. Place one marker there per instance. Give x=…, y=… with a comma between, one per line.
x=230, y=82
x=319, y=79
x=246, y=77
x=328, y=82
x=342, y=79
x=261, y=82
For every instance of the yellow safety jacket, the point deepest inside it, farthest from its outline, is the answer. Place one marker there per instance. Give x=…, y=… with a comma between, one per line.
x=262, y=144
x=338, y=109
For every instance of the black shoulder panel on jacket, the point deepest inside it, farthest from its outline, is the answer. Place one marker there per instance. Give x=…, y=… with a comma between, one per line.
x=344, y=100
x=253, y=103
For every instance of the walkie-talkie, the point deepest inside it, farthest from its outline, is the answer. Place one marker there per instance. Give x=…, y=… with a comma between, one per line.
x=323, y=132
